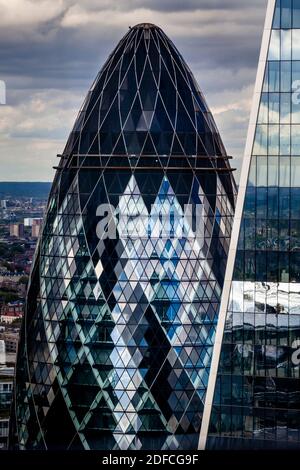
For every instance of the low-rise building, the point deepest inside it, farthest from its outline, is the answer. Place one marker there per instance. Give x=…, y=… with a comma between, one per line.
x=16, y=230
x=10, y=339
x=6, y=387
x=11, y=312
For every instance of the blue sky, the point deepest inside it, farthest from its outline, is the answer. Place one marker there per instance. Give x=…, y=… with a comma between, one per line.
x=51, y=51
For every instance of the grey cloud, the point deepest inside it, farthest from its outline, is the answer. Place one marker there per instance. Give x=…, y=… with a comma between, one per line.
x=169, y=5
x=220, y=39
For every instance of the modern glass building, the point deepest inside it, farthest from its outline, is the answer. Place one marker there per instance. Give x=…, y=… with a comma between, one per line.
x=253, y=397
x=118, y=334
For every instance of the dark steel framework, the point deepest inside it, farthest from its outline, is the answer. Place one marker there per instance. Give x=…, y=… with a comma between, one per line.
x=118, y=334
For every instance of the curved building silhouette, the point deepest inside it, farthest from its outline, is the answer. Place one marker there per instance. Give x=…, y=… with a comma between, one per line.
x=124, y=295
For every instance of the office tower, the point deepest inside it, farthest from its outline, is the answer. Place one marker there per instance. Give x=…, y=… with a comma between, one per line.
x=254, y=401
x=6, y=385
x=125, y=290
x=36, y=227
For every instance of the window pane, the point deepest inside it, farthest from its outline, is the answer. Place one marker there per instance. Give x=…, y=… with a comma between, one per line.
x=285, y=108
x=273, y=140
x=285, y=140
x=295, y=172
x=262, y=171
x=274, y=68
x=274, y=50
x=295, y=140
x=276, y=21
x=286, y=76
x=296, y=72
x=252, y=173
x=296, y=14
x=284, y=177
x=261, y=141
x=263, y=110
x=274, y=108
x=286, y=49
x=296, y=103
x=286, y=10
x=296, y=44
x=273, y=171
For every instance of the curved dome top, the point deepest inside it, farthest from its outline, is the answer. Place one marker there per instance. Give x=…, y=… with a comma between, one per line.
x=145, y=26
x=145, y=101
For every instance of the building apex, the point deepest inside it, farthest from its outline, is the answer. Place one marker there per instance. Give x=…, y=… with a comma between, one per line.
x=145, y=26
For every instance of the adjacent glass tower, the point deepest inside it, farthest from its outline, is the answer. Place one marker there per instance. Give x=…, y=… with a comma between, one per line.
x=255, y=400
x=117, y=339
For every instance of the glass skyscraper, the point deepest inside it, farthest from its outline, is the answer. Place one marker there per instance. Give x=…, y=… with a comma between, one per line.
x=253, y=397
x=118, y=334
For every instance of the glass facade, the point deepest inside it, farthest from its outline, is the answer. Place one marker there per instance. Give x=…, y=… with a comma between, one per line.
x=118, y=334
x=257, y=395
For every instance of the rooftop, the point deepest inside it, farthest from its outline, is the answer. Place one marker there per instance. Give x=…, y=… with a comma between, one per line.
x=145, y=26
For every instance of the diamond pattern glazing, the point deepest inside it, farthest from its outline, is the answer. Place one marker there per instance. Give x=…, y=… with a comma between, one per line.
x=118, y=333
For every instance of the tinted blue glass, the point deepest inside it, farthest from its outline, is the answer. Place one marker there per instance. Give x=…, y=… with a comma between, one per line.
x=274, y=76
x=285, y=78
x=260, y=328
x=286, y=13
x=296, y=14
x=277, y=15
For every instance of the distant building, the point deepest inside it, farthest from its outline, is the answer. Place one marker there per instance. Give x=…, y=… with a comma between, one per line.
x=6, y=386
x=35, y=231
x=37, y=221
x=16, y=230
x=10, y=339
x=11, y=312
x=7, y=283
x=2, y=352
x=3, y=204
x=28, y=221
x=36, y=227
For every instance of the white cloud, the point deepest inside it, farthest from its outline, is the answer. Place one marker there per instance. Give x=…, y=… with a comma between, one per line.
x=28, y=12
x=33, y=132
x=44, y=113
x=197, y=23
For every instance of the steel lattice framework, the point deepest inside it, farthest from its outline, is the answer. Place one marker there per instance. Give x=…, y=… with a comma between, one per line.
x=118, y=334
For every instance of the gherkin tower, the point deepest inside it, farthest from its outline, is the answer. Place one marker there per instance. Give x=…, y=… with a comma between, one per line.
x=118, y=333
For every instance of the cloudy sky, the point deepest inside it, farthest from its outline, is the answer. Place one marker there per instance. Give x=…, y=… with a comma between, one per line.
x=51, y=51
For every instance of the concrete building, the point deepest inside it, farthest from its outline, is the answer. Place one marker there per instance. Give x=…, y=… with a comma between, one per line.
x=36, y=227
x=6, y=387
x=16, y=230
x=10, y=339
x=28, y=221
x=11, y=312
